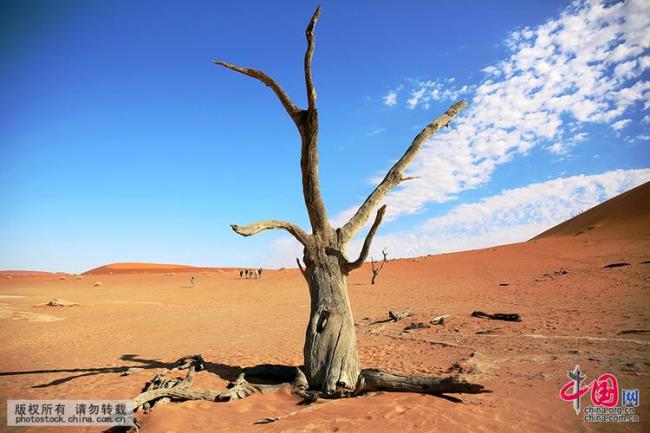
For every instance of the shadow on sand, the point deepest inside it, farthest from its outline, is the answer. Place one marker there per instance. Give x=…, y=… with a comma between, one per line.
x=225, y=372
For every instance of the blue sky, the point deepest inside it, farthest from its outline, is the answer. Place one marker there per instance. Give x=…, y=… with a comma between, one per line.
x=121, y=141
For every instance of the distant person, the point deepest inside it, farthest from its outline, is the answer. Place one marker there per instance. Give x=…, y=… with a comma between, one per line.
x=246, y=273
x=193, y=281
x=241, y=274
x=259, y=272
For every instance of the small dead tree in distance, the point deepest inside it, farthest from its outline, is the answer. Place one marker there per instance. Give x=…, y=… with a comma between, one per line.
x=373, y=267
x=331, y=361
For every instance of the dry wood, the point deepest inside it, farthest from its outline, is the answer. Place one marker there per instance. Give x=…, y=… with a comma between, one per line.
x=396, y=315
x=260, y=226
x=368, y=241
x=395, y=174
x=376, y=380
x=510, y=317
x=287, y=103
x=309, y=54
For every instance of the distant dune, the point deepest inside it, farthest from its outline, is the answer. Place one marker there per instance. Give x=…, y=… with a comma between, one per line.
x=13, y=273
x=141, y=268
x=626, y=215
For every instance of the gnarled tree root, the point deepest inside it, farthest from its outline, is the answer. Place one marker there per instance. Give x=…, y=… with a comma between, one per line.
x=162, y=388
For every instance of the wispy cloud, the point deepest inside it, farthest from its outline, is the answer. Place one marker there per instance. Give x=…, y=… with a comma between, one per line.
x=564, y=147
x=514, y=215
x=426, y=91
x=390, y=98
x=621, y=124
x=376, y=131
x=583, y=67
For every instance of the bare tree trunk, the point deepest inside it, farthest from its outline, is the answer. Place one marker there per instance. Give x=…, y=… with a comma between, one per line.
x=330, y=352
x=331, y=359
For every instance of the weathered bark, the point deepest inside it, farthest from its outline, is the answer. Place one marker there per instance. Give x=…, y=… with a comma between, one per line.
x=330, y=351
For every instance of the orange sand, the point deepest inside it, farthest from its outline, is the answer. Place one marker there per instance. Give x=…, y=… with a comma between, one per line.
x=150, y=319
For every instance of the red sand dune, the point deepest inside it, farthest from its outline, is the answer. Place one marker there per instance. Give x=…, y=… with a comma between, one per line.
x=149, y=320
x=133, y=268
x=626, y=215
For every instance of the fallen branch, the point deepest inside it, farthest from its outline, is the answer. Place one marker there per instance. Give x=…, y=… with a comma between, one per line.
x=377, y=380
x=616, y=265
x=633, y=331
x=510, y=317
x=397, y=316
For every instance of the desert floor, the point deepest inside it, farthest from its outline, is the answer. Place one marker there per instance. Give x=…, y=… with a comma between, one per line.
x=149, y=320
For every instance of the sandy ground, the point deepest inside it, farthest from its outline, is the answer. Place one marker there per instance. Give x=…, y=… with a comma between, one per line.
x=151, y=319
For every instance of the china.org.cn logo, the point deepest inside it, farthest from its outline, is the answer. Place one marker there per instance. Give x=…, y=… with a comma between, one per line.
x=605, y=397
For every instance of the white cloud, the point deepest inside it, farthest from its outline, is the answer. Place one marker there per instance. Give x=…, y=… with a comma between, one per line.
x=564, y=147
x=583, y=67
x=514, y=215
x=427, y=91
x=621, y=124
x=391, y=98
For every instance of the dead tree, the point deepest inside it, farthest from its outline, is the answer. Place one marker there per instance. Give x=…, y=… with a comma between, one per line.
x=376, y=270
x=331, y=361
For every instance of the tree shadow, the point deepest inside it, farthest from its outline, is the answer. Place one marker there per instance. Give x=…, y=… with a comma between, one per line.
x=224, y=371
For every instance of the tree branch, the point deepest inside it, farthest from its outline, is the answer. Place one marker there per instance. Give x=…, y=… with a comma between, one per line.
x=309, y=151
x=395, y=174
x=288, y=104
x=253, y=229
x=369, y=237
x=309, y=33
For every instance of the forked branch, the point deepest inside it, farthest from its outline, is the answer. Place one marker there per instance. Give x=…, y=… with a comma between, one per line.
x=307, y=123
x=368, y=241
x=287, y=103
x=395, y=175
x=260, y=226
